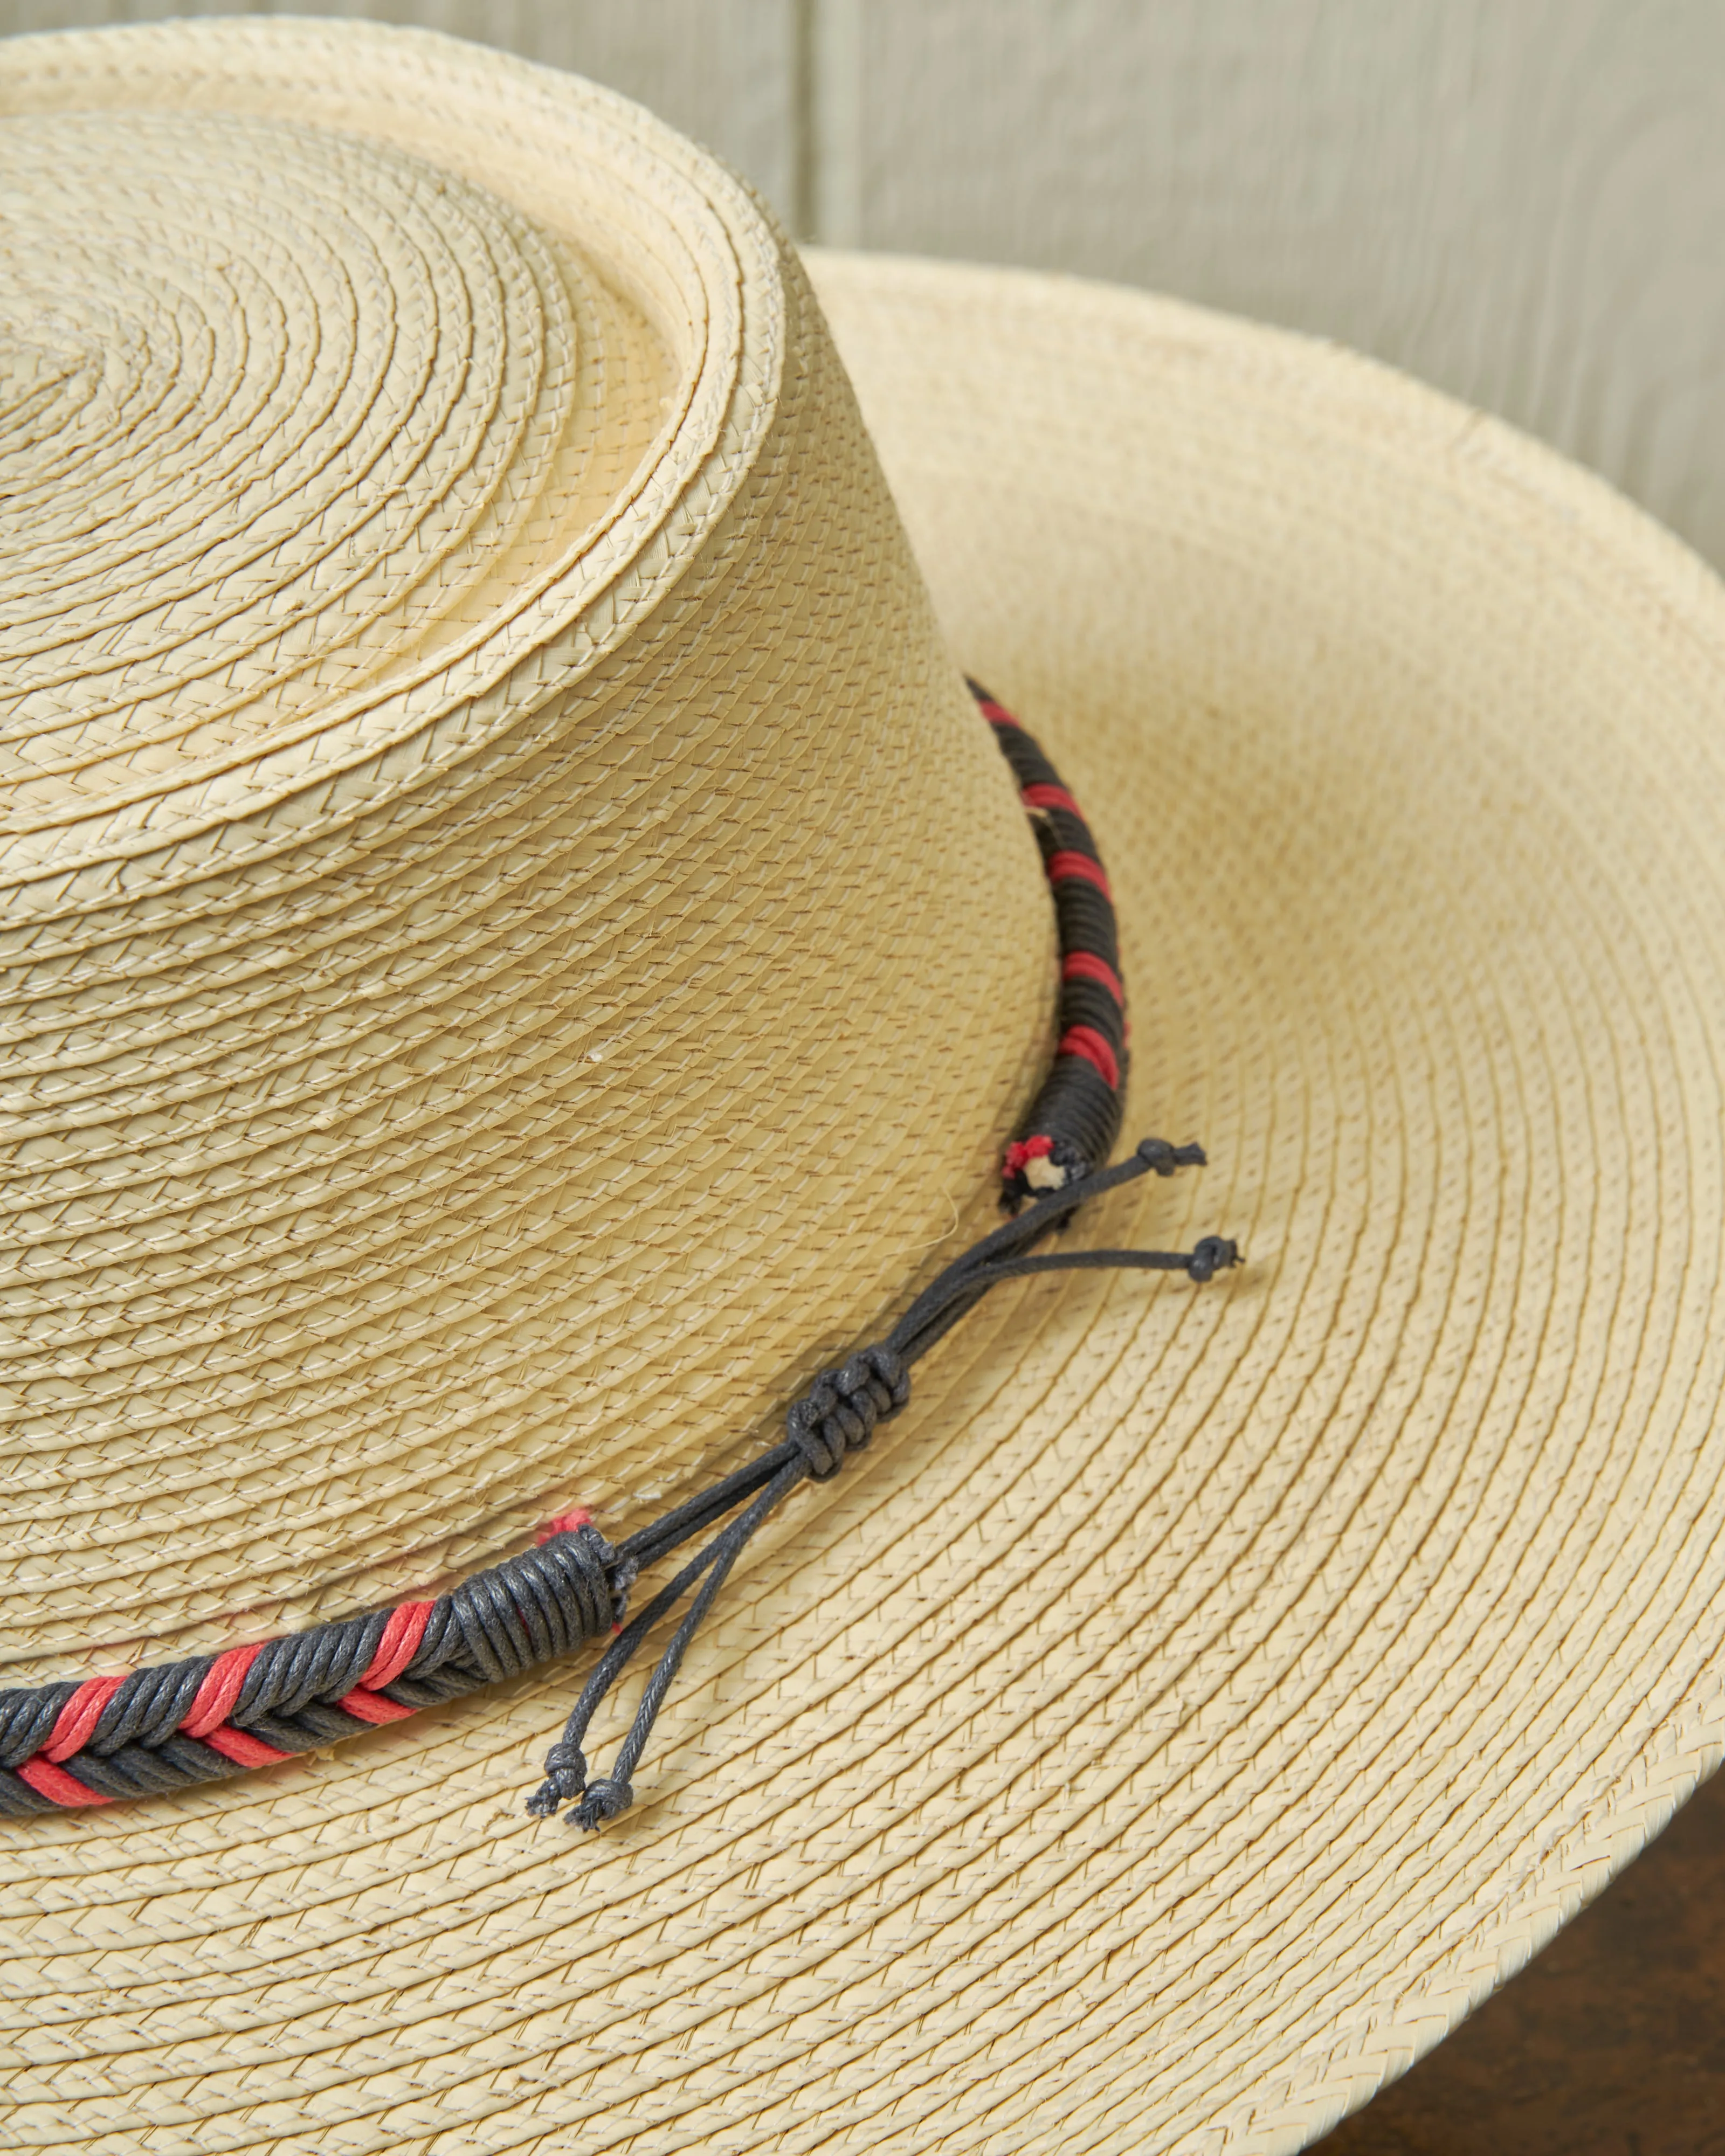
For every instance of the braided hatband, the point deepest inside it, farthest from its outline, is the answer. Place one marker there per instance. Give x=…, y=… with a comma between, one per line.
x=1074, y=1120
x=211, y=1716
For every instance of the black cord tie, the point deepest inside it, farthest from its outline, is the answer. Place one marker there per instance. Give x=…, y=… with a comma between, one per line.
x=838, y=1413
x=835, y=1416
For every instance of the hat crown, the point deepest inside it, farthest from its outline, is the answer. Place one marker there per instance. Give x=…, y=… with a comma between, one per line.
x=515, y=947
x=316, y=437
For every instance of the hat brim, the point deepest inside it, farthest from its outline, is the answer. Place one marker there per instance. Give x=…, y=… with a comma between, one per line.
x=1202, y=1697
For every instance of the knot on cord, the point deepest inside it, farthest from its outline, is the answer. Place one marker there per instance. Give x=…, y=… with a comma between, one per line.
x=839, y=1412
x=608, y=1799
x=1210, y=1255
x=1162, y=1158
x=565, y=1779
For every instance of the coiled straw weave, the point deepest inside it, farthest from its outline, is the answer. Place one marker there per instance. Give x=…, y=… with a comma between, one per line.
x=480, y=1043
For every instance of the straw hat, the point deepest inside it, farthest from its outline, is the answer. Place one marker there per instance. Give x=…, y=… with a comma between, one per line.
x=520, y=950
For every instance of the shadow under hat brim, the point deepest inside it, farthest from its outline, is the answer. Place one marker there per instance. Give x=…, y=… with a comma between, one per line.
x=1199, y=1698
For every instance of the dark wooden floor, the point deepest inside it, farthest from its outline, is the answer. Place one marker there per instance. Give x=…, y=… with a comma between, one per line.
x=1611, y=2043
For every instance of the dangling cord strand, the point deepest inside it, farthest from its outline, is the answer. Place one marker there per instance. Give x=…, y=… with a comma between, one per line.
x=835, y=1417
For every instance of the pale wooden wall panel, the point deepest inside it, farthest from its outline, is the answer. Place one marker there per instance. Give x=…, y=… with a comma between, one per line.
x=725, y=71
x=1523, y=201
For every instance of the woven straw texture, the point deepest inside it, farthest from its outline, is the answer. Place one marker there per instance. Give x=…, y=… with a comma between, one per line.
x=1199, y=1697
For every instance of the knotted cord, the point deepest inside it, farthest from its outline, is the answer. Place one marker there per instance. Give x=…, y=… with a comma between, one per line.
x=833, y=1418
